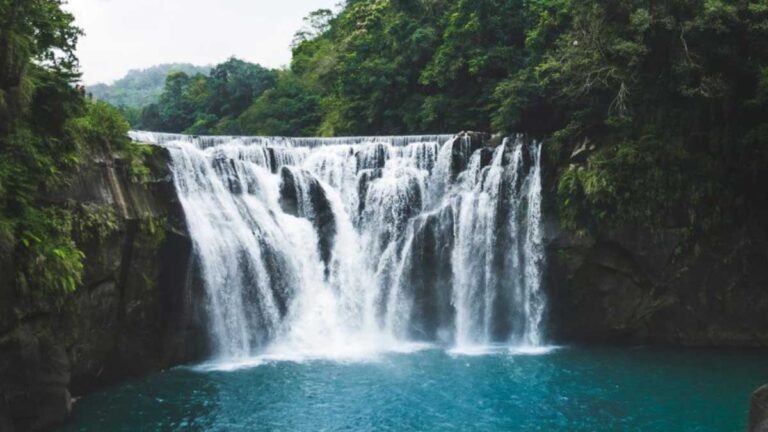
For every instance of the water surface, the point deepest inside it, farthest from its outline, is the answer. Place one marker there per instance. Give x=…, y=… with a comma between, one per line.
x=567, y=389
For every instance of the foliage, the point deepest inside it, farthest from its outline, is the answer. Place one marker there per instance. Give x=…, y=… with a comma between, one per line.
x=102, y=127
x=668, y=95
x=288, y=109
x=234, y=84
x=93, y=222
x=47, y=130
x=672, y=95
x=672, y=98
x=50, y=264
x=37, y=30
x=37, y=61
x=210, y=104
x=137, y=156
x=141, y=87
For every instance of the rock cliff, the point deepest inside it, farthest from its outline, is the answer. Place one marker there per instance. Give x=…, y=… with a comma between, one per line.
x=631, y=286
x=135, y=311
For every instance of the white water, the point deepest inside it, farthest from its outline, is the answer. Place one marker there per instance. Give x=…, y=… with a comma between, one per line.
x=346, y=247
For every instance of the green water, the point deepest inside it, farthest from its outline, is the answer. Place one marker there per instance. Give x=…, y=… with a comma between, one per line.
x=568, y=389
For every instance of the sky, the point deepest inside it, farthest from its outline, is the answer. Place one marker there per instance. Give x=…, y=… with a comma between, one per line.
x=133, y=34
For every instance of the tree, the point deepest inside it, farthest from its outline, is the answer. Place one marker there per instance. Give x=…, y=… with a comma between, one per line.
x=207, y=104
x=290, y=109
x=37, y=30
x=315, y=24
x=46, y=129
x=234, y=85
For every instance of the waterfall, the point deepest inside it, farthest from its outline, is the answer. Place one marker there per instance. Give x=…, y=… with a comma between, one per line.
x=315, y=246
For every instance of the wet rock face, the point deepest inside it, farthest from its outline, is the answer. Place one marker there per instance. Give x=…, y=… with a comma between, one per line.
x=758, y=410
x=289, y=194
x=7, y=318
x=35, y=372
x=462, y=147
x=429, y=273
x=226, y=169
x=374, y=157
x=364, y=180
x=630, y=287
x=486, y=156
x=301, y=195
x=136, y=311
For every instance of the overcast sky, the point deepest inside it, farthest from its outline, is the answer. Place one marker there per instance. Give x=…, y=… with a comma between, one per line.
x=130, y=34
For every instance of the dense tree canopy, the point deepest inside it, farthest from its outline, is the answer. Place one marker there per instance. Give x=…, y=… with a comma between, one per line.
x=204, y=104
x=669, y=98
x=289, y=109
x=141, y=87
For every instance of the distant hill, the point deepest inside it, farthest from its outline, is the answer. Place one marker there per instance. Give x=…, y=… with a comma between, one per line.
x=141, y=87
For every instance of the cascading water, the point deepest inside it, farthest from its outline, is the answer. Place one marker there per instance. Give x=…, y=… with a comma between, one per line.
x=316, y=247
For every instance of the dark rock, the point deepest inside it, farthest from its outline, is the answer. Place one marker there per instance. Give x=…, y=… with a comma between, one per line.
x=364, y=180
x=6, y=424
x=496, y=140
x=41, y=409
x=137, y=310
x=429, y=272
x=371, y=157
x=34, y=375
x=486, y=156
x=7, y=300
x=758, y=410
x=628, y=285
x=289, y=194
x=273, y=165
x=299, y=188
x=462, y=147
x=632, y=287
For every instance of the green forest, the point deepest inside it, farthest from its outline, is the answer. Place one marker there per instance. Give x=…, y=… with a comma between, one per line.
x=669, y=101
x=670, y=98
x=141, y=87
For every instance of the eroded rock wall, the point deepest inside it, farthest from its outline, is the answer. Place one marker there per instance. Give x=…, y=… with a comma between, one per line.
x=136, y=311
x=632, y=286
